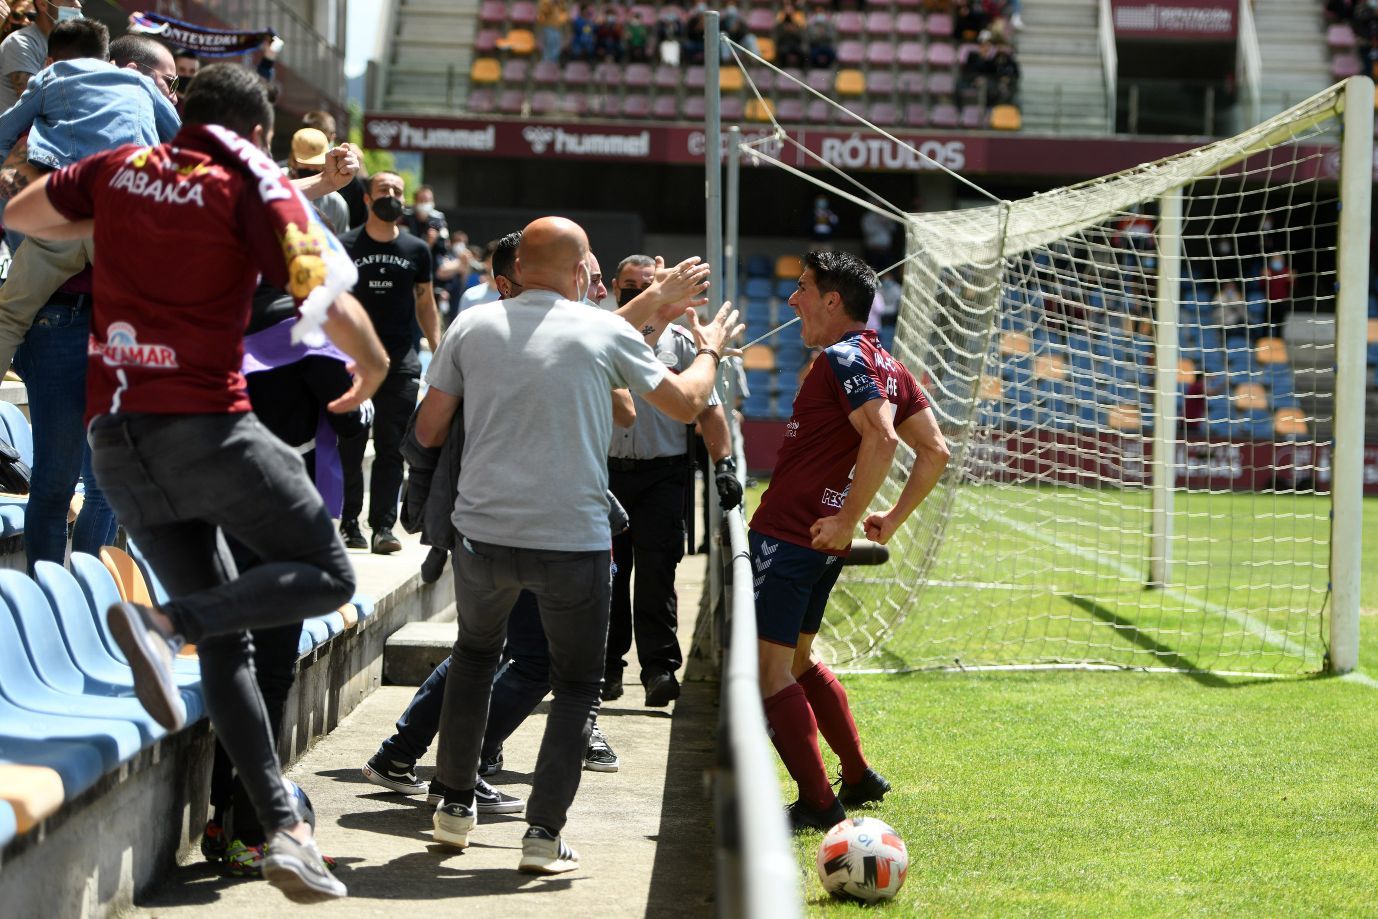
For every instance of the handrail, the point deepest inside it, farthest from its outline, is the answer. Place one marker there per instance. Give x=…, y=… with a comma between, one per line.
x=1110, y=62
x=758, y=875
x=1250, y=64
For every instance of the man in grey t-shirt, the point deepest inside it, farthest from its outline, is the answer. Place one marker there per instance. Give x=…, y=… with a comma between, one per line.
x=534, y=375
x=22, y=54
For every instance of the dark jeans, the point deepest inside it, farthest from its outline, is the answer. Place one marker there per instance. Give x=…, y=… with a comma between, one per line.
x=52, y=361
x=393, y=405
x=572, y=591
x=521, y=684
x=175, y=480
x=653, y=546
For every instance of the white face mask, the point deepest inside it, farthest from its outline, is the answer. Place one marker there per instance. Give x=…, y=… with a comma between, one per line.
x=65, y=13
x=1277, y=264
x=422, y=210
x=583, y=294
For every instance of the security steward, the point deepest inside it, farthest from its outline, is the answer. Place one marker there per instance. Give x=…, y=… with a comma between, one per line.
x=650, y=473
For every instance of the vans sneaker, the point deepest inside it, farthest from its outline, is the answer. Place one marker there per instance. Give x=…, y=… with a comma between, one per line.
x=393, y=774
x=297, y=869
x=599, y=757
x=544, y=852
x=492, y=765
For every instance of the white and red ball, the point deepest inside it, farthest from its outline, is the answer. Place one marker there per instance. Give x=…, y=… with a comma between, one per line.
x=862, y=858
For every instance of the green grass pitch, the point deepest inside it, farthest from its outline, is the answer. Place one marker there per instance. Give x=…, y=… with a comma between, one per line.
x=1127, y=793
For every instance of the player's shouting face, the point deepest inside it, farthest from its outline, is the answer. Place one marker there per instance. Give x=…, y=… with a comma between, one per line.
x=817, y=310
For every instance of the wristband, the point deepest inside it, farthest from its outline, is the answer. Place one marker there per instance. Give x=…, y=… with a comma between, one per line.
x=726, y=464
x=717, y=358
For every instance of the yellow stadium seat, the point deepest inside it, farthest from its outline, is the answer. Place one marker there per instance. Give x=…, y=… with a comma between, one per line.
x=1014, y=343
x=132, y=585
x=35, y=793
x=485, y=70
x=1006, y=118
x=730, y=79
x=1050, y=367
x=789, y=267
x=765, y=47
x=1289, y=422
x=518, y=41
x=850, y=83
x=1372, y=331
x=759, y=357
x=1186, y=371
x=759, y=110
x=1270, y=351
x=1125, y=417
x=991, y=387
x=350, y=613
x=1248, y=396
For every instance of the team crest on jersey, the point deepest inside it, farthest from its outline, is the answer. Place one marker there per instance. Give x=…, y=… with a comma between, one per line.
x=122, y=349
x=792, y=429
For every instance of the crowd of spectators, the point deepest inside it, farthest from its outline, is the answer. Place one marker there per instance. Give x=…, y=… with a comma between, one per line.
x=1362, y=17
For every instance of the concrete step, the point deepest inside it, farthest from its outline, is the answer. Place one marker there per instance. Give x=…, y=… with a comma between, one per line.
x=414, y=650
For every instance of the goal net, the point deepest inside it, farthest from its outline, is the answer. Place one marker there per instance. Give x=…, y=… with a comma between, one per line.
x=1177, y=318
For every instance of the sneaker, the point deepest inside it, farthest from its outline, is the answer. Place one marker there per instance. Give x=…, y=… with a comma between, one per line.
x=803, y=818
x=599, y=757
x=352, y=535
x=488, y=800
x=492, y=765
x=384, y=543
x=299, y=871
x=393, y=774
x=453, y=823
x=150, y=653
x=871, y=787
x=544, y=852
x=661, y=690
x=243, y=861
x=612, y=686
x=214, y=842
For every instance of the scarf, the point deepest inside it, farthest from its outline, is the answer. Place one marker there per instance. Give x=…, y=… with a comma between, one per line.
x=205, y=42
x=318, y=268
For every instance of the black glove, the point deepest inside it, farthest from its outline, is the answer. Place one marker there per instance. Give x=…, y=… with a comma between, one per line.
x=729, y=488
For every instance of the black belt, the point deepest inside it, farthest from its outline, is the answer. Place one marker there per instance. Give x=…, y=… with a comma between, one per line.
x=620, y=464
x=73, y=301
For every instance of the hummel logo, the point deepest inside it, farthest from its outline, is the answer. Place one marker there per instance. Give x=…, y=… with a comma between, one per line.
x=759, y=581
x=769, y=548
x=762, y=565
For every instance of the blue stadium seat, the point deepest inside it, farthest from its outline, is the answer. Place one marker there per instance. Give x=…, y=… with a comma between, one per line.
x=17, y=431
x=114, y=740
x=7, y=822
x=790, y=359
x=318, y=630
x=154, y=585
x=84, y=646
x=758, y=311
x=26, y=668
x=758, y=288
x=759, y=266
x=98, y=586
x=304, y=644
x=364, y=605
x=785, y=289
x=333, y=621
x=78, y=762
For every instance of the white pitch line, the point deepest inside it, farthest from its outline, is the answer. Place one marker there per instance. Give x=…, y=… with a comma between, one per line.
x=1244, y=620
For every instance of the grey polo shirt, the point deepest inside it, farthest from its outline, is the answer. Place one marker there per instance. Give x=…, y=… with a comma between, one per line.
x=23, y=52
x=655, y=434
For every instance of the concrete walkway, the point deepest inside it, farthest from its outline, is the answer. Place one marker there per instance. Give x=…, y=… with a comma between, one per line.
x=643, y=833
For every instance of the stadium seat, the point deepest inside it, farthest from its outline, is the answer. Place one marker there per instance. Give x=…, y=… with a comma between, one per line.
x=1006, y=118
x=1373, y=331
x=880, y=54
x=518, y=41
x=693, y=78
x=761, y=109
x=511, y=102
x=17, y=431
x=1340, y=37
x=881, y=85
x=765, y=47
x=546, y=73
x=760, y=21
x=939, y=25
x=759, y=266
x=523, y=12
x=788, y=110
x=851, y=53
x=941, y=55
x=486, y=41
x=789, y=82
x=485, y=71
x=1290, y=422
x=849, y=22
x=819, y=112
x=1344, y=65
x=481, y=101
x=820, y=81
x=879, y=24
x=578, y=74
x=515, y=71
x=493, y=12
x=850, y=83
x=608, y=74
x=636, y=105
x=973, y=117
x=665, y=107
x=730, y=79
x=543, y=102
x=693, y=108
x=789, y=267
x=916, y=115
x=667, y=77
x=759, y=357
x=884, y=114
x=785, y=287
x=33, y=792
x=909, y=25
x=910, y=54
x=637, y=75
x=731, y=108
x=943, y=116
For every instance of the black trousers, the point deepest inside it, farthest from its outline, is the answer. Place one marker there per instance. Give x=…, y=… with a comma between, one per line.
x=653, y=547
x=393, y=404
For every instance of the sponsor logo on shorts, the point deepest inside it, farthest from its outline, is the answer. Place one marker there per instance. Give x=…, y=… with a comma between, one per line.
x=834, y=498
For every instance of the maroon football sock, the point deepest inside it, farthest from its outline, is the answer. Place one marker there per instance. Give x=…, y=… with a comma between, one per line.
x=795, y=735
x=828, y=700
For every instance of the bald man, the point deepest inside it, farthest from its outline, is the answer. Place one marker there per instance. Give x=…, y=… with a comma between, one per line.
x=534, y=373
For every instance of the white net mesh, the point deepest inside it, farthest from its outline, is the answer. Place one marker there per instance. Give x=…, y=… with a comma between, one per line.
x=1035, y=327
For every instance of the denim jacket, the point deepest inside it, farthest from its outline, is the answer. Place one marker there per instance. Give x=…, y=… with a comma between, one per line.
x=79, y=107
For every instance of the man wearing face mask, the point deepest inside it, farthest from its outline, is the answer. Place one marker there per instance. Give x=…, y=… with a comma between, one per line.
x=425, y=222
x=395, y=287
x=22, y=54
x=649, y=473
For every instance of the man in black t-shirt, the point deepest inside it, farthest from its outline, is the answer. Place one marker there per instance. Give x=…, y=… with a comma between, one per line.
x=395, y=273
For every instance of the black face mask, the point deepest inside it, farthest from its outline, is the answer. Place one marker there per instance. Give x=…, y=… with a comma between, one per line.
x=387, y=208
x=627, y=295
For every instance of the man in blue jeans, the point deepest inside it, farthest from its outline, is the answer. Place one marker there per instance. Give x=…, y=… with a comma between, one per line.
x=175, y=445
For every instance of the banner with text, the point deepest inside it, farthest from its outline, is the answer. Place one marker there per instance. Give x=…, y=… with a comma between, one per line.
x=1176, y=20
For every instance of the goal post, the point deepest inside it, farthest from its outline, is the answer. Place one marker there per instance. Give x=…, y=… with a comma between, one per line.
x=1153, y=387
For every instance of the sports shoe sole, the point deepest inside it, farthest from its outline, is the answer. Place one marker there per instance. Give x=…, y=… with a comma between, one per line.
x=153, y=683
x=602, y=767
x=505, y=807
x=539, y=864
x=298, y=882
x=456, y=836
x=381, y=779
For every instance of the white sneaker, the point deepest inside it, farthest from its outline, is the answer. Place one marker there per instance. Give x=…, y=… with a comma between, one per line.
x=544, y=853
x=453, y=823
x=150, y=654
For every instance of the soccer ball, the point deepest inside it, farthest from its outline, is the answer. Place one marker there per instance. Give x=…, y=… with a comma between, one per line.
x=864, y=859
